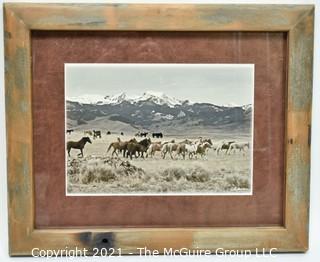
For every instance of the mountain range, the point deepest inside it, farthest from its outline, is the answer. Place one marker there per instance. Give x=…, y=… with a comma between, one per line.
x=155, y=111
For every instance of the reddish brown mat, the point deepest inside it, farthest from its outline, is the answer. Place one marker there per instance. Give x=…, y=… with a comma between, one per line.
x=50, y=50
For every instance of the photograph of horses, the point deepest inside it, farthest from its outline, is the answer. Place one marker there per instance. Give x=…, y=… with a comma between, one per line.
x=159, y=129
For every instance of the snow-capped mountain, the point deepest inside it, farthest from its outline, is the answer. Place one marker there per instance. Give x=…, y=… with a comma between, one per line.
x=159, y=99
x=115, y=99
x=153, y=109
x=151, y=96
x=87, y=99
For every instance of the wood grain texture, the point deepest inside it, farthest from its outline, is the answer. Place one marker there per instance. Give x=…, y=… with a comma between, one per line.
x=21, y=18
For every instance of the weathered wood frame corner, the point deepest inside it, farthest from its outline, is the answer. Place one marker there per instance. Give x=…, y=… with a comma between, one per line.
x=20, y=19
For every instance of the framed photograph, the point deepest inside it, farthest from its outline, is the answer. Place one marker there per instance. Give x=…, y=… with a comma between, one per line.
x=158, y=128
x=198, y=113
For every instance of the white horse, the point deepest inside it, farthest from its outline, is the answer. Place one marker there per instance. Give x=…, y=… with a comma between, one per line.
x=216, y=145
x=178, y=148
x=192, y=149
x=168, y=148
x=238, y=145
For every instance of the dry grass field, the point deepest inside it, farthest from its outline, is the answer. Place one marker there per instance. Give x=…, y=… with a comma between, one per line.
x=100, y=173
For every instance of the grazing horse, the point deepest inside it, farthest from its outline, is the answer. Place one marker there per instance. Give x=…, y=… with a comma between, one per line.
x=120, y=146
x=157, y=135
x=239, y=145
x=88, y=132
x=69, y=131
x=96, y=134
x=78, y=145
x=140, y=147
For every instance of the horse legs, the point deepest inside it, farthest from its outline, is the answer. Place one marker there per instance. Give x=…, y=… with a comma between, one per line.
x=81, y=153
x=114, y=151
x=171, y=154
x=242, y=150
x=69, y=149
x=163, y=154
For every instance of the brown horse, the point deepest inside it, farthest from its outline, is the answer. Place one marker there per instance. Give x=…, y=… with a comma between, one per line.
x=153, y=148
x=203, y=148
x=140, y=147
x=78, y=145
x=120, y=146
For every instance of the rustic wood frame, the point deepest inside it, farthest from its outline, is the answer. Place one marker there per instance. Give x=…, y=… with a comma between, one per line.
x=20, y=19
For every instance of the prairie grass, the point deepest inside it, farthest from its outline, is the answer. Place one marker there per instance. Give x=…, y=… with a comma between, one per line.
x=105, y=174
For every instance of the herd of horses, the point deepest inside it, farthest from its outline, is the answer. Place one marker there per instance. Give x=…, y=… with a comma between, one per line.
x=145, y=134
x=97, y=133
x=147, y=148
x=183, y=149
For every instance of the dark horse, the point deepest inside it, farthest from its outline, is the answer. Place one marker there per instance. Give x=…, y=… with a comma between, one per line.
x=141, y=134
x=69, y=131
x=78, y=145
x=96, y=134
x=140, y=147
x=225, y=146
x=157, y=135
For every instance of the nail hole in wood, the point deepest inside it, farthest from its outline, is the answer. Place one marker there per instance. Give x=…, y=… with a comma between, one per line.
x=105, y=240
